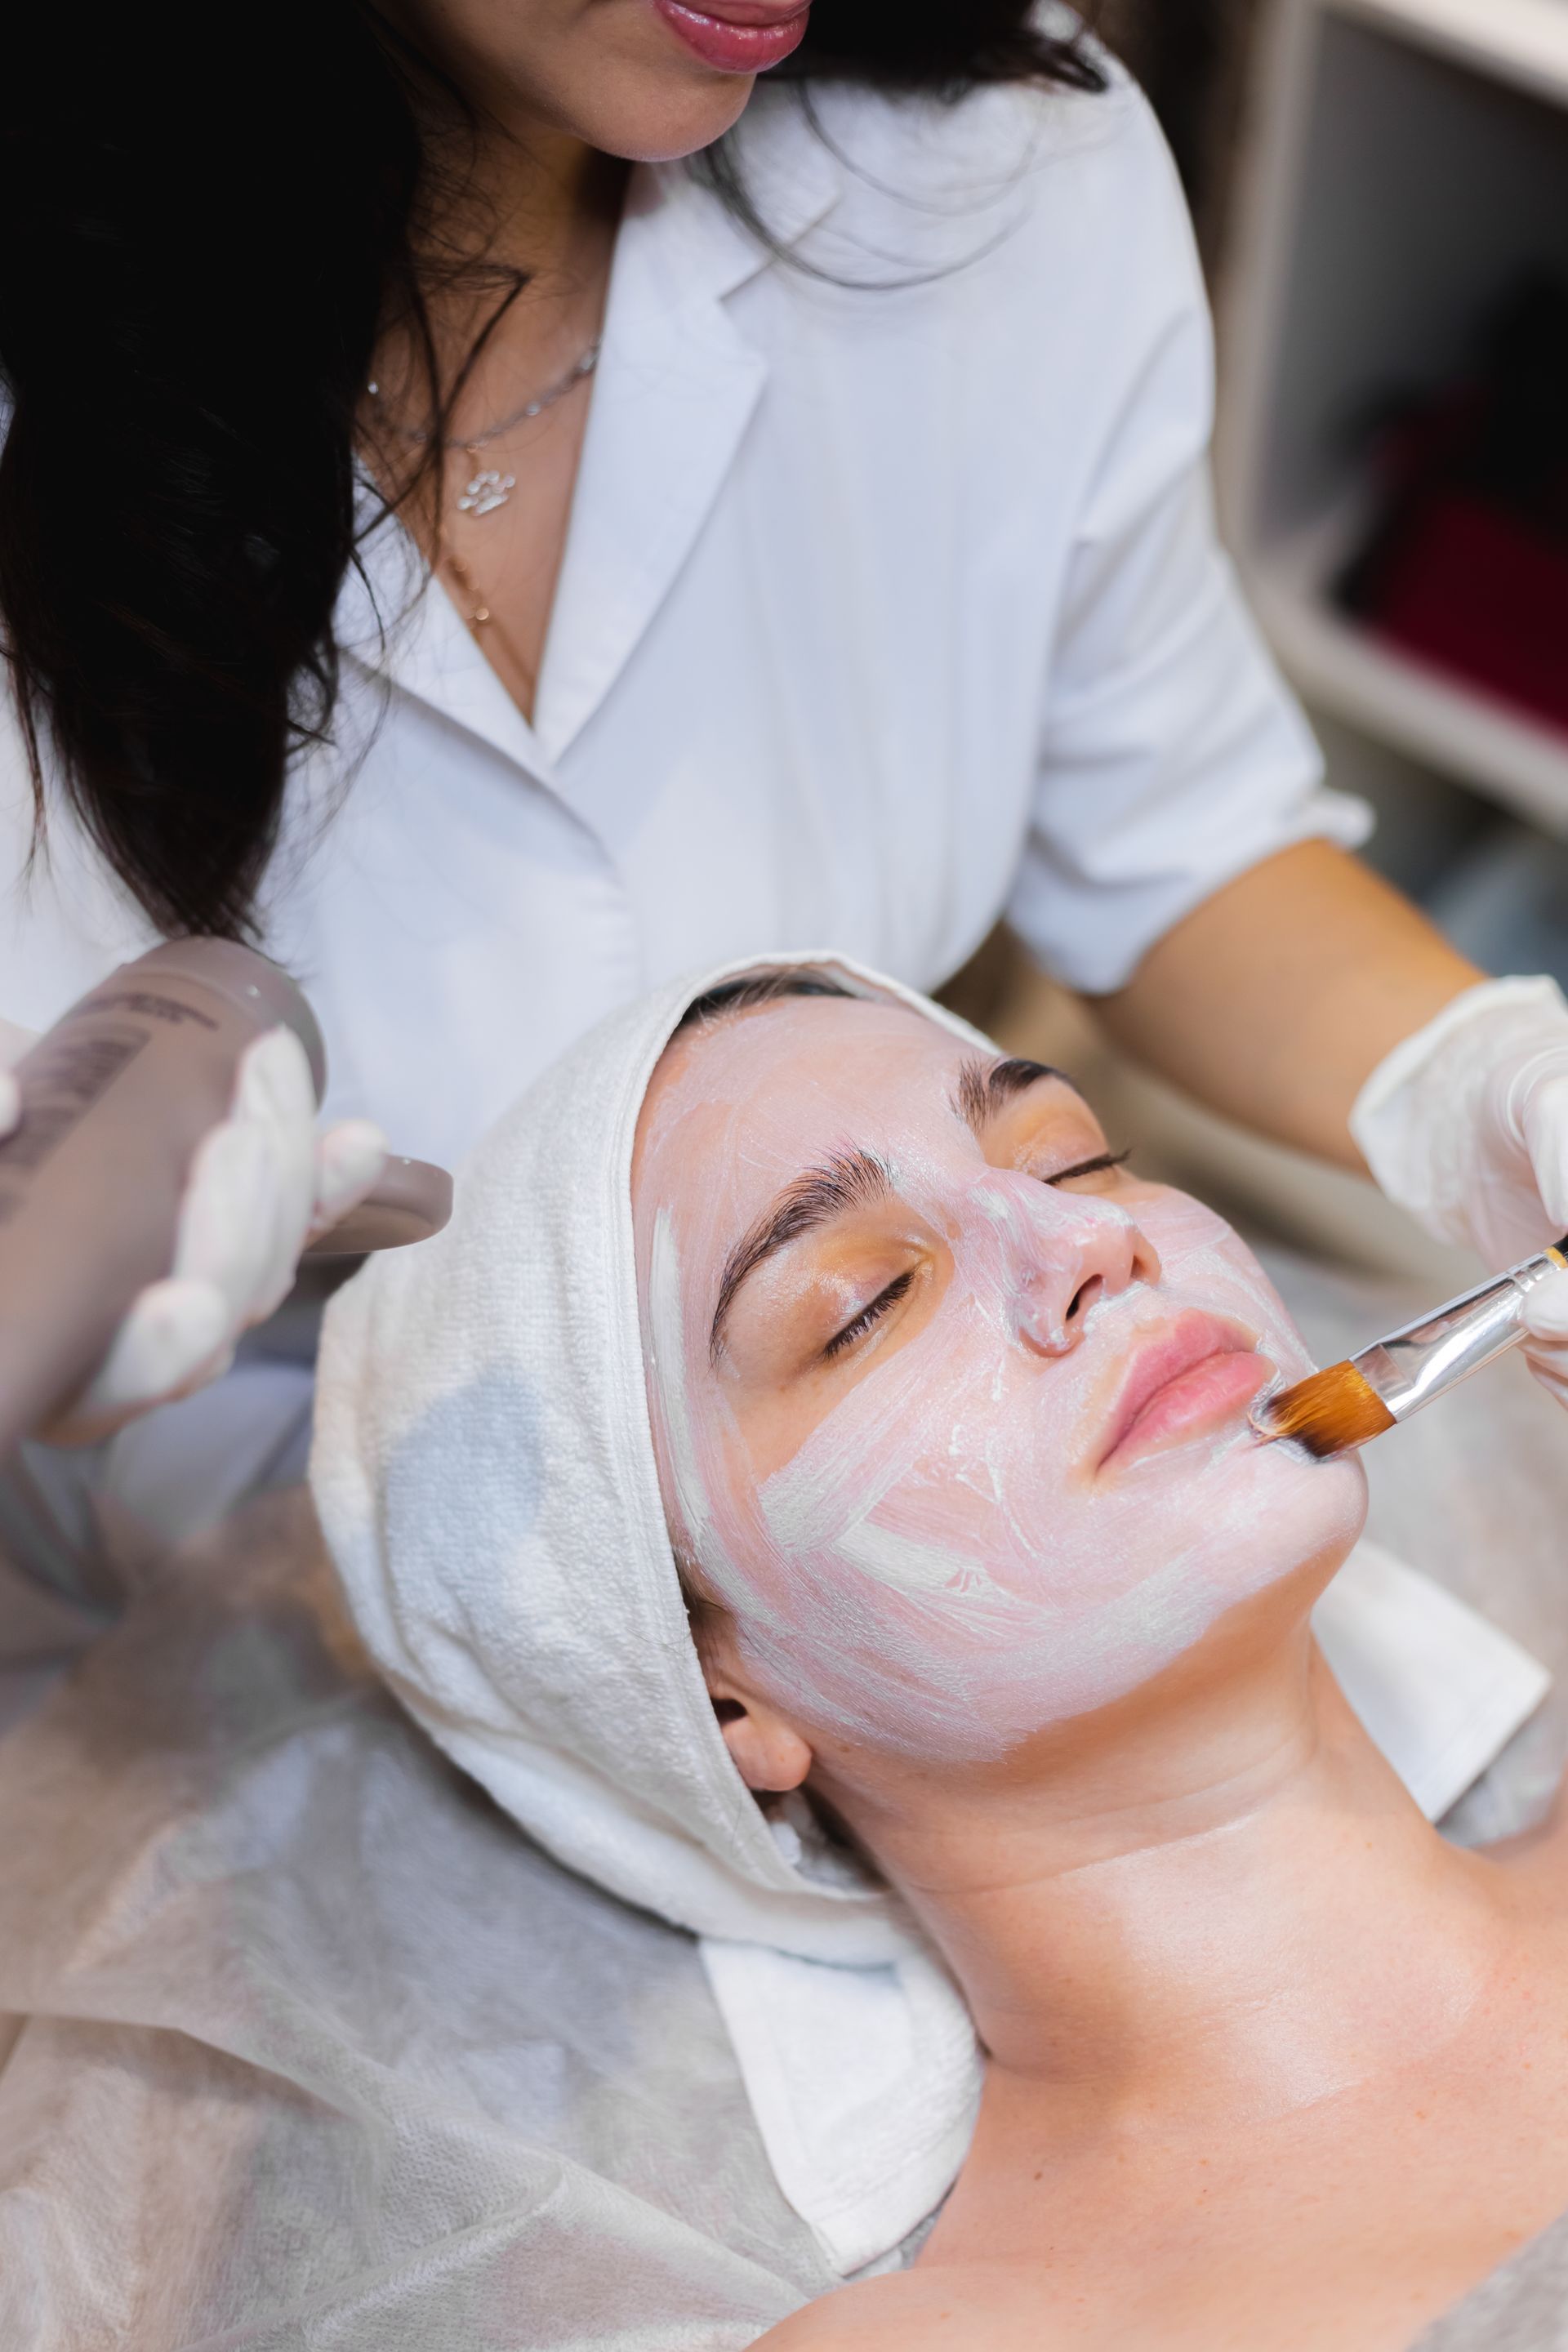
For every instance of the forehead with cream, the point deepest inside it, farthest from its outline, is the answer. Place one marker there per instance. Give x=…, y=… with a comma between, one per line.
x=918, y=1540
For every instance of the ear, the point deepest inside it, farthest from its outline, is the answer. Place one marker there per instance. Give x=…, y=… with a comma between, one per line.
x=768, y=1751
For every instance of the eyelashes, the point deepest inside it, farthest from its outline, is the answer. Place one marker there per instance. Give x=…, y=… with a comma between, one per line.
x=1095, y=1167
x=875, y=1309
x=872, y=1312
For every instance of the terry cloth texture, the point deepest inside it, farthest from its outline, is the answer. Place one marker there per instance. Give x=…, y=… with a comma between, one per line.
x=485, y=1474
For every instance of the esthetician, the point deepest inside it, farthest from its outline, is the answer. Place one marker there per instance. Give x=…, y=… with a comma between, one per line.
x=502, y=503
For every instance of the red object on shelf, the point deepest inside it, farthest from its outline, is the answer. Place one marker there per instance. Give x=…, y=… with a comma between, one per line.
x=1472, y=589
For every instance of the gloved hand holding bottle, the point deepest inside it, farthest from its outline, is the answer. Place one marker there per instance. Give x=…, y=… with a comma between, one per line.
x=264, y=1183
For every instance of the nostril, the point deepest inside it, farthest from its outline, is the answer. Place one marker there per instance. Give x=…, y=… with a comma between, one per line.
x=1085, y=1297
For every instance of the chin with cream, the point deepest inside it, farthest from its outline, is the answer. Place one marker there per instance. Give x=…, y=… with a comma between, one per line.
x=950, y=1408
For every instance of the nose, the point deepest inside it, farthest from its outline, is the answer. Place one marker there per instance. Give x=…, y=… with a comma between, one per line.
x=1066, y=1252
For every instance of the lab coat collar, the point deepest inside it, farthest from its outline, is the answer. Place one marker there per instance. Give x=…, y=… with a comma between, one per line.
x=699, y=250
x=676, y=385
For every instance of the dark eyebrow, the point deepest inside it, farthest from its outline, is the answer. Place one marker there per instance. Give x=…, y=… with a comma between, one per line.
x=849, y=1181
x=985, y=1089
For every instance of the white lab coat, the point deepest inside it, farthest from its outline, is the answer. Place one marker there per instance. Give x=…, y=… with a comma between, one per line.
x=884, y=611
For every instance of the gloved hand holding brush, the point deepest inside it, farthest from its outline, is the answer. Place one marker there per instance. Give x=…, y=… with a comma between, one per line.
x=1466, y=1125
x=263, y=1185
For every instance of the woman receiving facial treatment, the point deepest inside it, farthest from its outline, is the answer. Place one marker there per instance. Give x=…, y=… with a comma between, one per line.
x=502, y=498
x=811, y=1486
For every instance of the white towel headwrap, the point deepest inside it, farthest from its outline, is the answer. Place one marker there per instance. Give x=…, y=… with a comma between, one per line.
x=485, y=1474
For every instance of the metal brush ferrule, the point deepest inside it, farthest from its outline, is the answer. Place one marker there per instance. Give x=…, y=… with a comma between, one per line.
x=1412, y=1366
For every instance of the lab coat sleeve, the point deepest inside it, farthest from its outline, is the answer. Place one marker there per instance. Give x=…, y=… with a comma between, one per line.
x=1173, y=756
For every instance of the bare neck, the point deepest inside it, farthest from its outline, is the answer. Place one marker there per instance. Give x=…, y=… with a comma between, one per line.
x=516, y=263
x=1228, y=1906
x=537, y=197
x=503, y=178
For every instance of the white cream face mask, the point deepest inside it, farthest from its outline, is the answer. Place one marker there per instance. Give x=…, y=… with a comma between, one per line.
x=962, y=1449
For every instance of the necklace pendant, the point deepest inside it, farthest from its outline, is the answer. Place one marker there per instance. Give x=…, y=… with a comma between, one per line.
x=488, y=490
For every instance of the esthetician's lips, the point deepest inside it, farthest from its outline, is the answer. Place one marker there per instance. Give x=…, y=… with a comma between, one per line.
x=743, y=36
x=1191, y=1377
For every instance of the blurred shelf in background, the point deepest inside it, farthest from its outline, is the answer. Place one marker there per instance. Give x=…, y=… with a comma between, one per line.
x=1405, y=165
x=1475, y=737
x=1524, y=40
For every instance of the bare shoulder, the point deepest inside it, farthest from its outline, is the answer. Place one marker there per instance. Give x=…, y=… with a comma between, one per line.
x=931, y=2310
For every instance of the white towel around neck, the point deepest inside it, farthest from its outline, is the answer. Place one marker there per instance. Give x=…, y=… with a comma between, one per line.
x=484, y=1471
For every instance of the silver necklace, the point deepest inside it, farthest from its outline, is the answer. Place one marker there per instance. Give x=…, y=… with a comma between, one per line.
x=489, y=488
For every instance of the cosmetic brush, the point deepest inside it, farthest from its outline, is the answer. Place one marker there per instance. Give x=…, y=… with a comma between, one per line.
x=1331, y=1411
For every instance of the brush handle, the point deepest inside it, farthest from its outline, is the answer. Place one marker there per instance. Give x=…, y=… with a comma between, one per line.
x=1426, y=1359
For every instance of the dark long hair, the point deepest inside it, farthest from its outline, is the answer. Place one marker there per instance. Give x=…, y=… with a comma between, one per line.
x=202, y=233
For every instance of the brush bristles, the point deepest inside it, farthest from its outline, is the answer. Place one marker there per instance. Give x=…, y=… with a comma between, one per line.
x=1327, y=1412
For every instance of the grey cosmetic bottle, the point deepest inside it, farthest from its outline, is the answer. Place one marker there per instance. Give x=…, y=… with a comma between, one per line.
x=115, y=1098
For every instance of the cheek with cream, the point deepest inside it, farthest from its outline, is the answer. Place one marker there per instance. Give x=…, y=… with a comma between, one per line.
x=982, y=1535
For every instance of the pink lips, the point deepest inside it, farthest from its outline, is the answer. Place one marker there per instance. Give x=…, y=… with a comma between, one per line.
x=1195, y=1375
x=743, y=36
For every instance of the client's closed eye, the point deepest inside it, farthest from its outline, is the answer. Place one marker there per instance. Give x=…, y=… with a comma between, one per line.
x=1102, y=1162
x=871, y=1314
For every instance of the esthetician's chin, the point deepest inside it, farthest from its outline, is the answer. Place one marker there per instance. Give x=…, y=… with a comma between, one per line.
x=646, y=79
x=951, y=1407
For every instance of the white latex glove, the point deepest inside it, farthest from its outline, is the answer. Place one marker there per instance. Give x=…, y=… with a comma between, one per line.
x=1466, y=1125
x=263, y=1185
